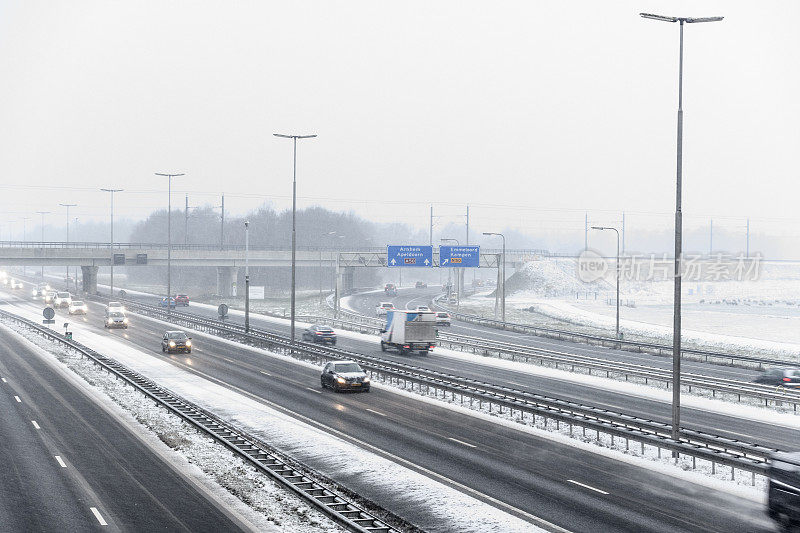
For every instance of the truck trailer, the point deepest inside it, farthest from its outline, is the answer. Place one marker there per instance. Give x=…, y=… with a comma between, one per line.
x=409, y=331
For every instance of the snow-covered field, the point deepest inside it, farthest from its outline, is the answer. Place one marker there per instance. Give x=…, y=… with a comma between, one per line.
x=756, y=316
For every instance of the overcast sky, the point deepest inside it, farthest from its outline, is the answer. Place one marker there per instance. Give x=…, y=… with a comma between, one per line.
x=531, y=112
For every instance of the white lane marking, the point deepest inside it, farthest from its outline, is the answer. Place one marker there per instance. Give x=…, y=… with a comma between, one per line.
x=99, y=517
x=35, y=424
x=376, y=412
x=313, y=390
x=17, y=398
x=265, y=373
x=229, y=360
x=462, y=442
x=586, y=486
x=60, y=461
x=4, y=380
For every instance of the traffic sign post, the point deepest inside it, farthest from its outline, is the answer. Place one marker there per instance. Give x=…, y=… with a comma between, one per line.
x=48, y=313
x=223, y=311
x=409, y=256
x=460, y=256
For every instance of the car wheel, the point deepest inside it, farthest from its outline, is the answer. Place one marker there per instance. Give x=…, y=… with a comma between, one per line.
x=383, y=346
x=322, y=382
x=366, y=390
x=423, y=352
x=163, y=349
x=189, y=350
x=333, y=343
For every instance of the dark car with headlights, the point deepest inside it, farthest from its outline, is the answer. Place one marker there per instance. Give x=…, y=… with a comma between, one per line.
x=319, y=333
x=176, y=341
x=780, y=377
x=344, y=375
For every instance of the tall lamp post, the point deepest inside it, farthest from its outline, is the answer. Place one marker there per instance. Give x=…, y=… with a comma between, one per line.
x=601, y=228
x=112, y=191
x=247, y=277
x=503, y=297
x=24, y=238
x=43, y=213
x=169, y=233
x=676, y=328
x=294, y=215
x=67, y=242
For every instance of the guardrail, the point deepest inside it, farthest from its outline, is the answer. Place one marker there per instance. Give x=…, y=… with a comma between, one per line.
x=707, y=356
x=628, y=372
x=259, y=454
x=717, y=450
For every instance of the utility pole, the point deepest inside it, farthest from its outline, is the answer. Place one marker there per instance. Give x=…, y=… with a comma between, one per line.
x=222, y=225
x=24, y=232
x=43, y=213
x=247, y=277
x=112, y=191
x=747, y=248
x=467, y=242
x=431, y=232
x=711, y=238
x=67, y=241
x=623, y=233
x=186, y=222
x=169, y=234
x=586, y=231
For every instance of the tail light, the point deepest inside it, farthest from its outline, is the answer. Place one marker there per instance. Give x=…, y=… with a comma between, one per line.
x=787, y=379
x=406, y=346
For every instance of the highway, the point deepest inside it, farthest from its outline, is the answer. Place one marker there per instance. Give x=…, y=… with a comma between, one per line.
x=772, y=435
x=70, y=465
x=526, y=474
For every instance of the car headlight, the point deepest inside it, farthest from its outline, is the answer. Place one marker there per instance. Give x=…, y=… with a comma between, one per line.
x=366, y=379
x=188, y=343
x=341, y=380
x=110, y=321
x=171, y=344
x=124, y=320
x=33, y=292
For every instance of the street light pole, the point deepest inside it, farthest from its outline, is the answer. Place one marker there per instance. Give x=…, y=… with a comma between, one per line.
x=112, y=191
x=294, y=218
x=452, y=270
x=169, y=234
x=247, y=277
x=67, y=242
x=676, y=328
x=43, y=213
x=617, y=265
x=24, y=238
x=503, y=297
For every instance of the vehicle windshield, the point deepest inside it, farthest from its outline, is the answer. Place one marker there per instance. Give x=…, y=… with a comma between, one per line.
x=388, y=306
x=63, y=295
x=114, y=304
x=77, y=304
x=347, y=367
x=324, y=330
x=116, y=314
x=178, y=335
x=442, y=315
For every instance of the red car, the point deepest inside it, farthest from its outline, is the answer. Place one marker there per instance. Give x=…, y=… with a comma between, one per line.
x=182, y=299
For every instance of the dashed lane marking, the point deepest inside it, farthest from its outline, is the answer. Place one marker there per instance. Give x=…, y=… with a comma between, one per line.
x=462, y=442
x=35, y=424
x=99, y=517
x=313, y=390
x=60, y=461
x=586, y=486
x=17, y=398
x=376, y=412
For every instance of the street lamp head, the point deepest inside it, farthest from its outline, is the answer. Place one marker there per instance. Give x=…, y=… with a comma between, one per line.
x=598, y=227
x=246, y=224
x=169, y=175
x=294, y=136
x=688, y=20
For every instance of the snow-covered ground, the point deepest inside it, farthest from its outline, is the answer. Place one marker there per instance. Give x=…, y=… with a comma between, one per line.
x=757, y=316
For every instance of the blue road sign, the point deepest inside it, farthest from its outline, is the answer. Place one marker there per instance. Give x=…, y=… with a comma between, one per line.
x=460, y=256
x=410, y=256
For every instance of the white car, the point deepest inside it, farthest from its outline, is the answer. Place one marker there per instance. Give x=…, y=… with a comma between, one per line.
x=15, y=284
x=49, y=296
x=62, y=299
x=423, y=309
x=443, y=319
x=78, y=308
x=383, y=307
x=115, y=306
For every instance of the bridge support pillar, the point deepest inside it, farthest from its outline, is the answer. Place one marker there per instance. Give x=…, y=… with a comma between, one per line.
x=89, y=274
x=226, y=281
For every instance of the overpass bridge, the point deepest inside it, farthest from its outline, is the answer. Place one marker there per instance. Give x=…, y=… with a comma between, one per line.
x=90, y=256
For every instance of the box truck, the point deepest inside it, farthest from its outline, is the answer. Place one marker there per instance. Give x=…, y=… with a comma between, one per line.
x=409, y=331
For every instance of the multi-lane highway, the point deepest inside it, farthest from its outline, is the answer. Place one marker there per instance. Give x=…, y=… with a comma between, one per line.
x=71, y=465
x=522, y=473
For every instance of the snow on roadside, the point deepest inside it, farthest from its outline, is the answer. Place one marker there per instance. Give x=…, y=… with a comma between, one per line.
x=266, y=505
x=444, y=508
